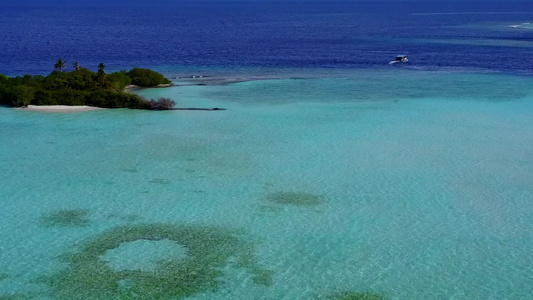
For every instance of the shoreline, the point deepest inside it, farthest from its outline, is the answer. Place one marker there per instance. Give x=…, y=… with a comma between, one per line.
x=132, y=87
x=59, y=108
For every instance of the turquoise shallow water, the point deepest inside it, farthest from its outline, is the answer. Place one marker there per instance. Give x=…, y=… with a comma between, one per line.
x=419, y=188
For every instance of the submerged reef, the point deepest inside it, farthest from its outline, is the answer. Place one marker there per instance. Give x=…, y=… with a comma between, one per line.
x=67, y=218
x=3, y=276
x=129, y=218
x=296, y=199
x=358, y=296
x=160, y=181
x=16, y=297
x=209, y=250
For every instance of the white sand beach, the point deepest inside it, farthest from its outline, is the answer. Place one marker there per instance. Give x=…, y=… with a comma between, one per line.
x=132, y=87
x=60, y=108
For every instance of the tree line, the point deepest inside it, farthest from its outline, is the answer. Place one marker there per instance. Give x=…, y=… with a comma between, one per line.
x=82, y=86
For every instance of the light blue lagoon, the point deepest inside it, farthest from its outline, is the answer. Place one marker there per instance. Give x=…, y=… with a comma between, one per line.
x=406, y=184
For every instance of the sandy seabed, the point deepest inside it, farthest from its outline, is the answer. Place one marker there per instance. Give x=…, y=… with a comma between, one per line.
x=60, y=108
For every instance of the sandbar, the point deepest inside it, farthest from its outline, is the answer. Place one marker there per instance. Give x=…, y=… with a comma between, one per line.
x=130, y=88
x=59, y=108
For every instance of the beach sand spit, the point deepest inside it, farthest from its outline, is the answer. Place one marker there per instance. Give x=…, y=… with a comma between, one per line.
x=60, y=108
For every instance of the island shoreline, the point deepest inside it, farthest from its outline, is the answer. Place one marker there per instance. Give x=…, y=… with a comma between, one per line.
x=60, y=108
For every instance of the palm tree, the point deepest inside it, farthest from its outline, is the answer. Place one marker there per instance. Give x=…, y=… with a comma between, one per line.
x=77, y=66
x=101, y=68
x=60, y=64
x=101, y=72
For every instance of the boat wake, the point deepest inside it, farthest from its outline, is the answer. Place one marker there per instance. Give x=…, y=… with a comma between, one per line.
x=523, y=25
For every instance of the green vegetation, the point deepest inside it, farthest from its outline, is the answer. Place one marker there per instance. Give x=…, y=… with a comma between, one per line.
x=296, y=199
x=60, y=65
x=209, y=251
x=146, y=77
x=81, y=87
x=67, y=218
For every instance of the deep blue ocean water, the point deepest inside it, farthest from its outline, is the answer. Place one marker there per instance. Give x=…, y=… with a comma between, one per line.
x=169, y=35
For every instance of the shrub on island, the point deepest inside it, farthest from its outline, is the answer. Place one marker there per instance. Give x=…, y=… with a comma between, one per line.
x=120, y=80
x=21, y=95
x=161, y=104
x=146, y=77
x=82, y=87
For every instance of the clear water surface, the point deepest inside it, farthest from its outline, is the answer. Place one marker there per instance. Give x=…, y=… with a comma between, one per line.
x=334, y=170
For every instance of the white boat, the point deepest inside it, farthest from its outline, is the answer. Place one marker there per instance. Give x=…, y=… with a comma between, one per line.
x=400, y=58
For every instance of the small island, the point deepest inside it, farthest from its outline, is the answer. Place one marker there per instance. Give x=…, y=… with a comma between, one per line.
x=83, y=87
